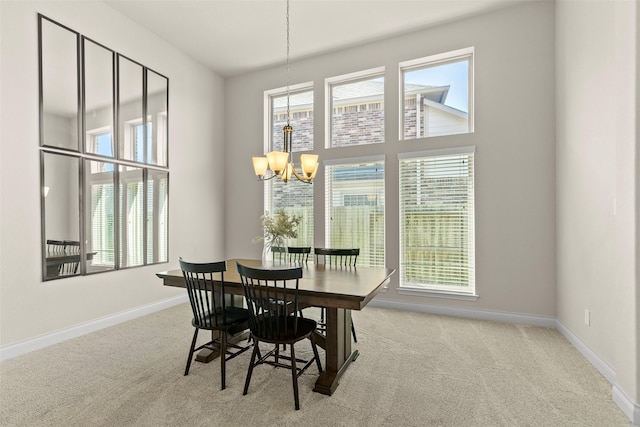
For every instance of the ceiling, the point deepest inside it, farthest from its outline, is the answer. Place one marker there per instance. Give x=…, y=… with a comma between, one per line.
x=237, y=36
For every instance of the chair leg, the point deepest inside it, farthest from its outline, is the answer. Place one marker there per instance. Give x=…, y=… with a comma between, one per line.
x=251, y=364
x=223, y=357
x=315, y=352
x=353, y=332
x=294, y=376
x=193, y=345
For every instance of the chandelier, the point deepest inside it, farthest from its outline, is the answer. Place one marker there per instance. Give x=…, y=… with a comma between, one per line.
x=281, y=162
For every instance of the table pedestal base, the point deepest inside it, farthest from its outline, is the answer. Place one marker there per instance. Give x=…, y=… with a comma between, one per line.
x=338, y=358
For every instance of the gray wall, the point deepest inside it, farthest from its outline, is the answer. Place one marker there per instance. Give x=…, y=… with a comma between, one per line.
x=30, y=308
x=514, y=139
x=597, y=188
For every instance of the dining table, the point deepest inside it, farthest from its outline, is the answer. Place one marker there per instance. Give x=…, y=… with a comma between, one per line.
x=337, y=289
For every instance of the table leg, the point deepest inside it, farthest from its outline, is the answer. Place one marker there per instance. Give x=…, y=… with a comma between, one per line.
x=338, y=353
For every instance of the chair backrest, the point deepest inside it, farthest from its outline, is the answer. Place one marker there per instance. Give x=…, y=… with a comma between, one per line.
x=72, y=247
x=271, y=296
x=69, y=253
x=299, y=254
x=279, y=253
x=337, y=257
x=207, y=304
x=55, y=247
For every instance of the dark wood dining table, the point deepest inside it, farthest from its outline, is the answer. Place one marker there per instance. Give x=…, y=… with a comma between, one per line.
x=338, y=289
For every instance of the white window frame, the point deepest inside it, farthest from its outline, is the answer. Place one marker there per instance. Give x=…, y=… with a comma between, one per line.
x=268, y=114
x=431, y=61
x=268, y=138
x=438, y=290
x=328, y=193
x=355, y=77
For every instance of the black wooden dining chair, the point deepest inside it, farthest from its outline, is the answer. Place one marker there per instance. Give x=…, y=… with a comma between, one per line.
x=211, y=313
x=72, y=249
x=68, y=252
x=279, y=253
x=299, y=254
x=336, y=258
x=272, y=297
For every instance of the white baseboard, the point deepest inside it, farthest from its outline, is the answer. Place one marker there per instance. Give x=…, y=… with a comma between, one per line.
x=600, y=364
x=542, y=321
x=630, y=408
x=16, y=349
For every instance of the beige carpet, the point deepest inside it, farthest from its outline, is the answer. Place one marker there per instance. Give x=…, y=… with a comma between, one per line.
x=414, y=370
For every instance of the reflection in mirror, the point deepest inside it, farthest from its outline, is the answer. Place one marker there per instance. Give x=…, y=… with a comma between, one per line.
x=98, y=99
x=157, y=101
x=61, y=215
x=99, y=212
x=59, y=82
x=131, y=216
x=157, y=216
x=130, y=124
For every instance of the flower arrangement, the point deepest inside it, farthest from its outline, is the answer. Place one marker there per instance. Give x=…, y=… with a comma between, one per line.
x=278, y=228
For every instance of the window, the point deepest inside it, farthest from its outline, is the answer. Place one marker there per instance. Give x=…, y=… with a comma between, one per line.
x=437, y=96
x=356, y=109
x=294, y=197
x=301, y=118
x=355, y=208
x=437, y=221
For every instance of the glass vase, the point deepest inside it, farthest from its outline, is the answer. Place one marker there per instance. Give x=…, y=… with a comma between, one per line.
x=266, y=252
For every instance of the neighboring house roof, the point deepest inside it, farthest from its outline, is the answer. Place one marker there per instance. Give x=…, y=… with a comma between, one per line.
x=365, y=90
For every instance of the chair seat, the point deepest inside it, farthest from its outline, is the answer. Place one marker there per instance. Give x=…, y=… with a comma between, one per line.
x=281, y=329
x=234, y=316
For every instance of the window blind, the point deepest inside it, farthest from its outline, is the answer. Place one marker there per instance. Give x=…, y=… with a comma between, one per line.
x=437, y=246
x=355, y=209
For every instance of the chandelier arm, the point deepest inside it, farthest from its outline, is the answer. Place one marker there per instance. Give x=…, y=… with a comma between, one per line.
x=262, y=178
x=301, y=177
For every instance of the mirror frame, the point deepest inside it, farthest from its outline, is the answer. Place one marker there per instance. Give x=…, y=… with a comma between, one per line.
x=85, y=157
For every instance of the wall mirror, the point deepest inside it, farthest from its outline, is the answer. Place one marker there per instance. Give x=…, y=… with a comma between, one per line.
x=98, y=98
x=61, y=200
x=103, y=146
x=157, y=101
x=59, y=98
x=131, y=124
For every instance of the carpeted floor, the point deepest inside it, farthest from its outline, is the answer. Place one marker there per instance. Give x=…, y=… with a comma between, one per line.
x=414, y=369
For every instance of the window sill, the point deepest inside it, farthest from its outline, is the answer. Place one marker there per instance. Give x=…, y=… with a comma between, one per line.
x=437, y=294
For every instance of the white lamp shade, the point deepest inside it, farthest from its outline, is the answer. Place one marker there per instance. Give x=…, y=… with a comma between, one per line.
x=309, y=163
x=315, y=171
x=278, y=161
x=260, y=165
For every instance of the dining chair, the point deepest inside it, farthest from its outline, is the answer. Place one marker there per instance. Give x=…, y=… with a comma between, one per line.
x=55, y=247
x=68, y=252
x=272, y=298
x=210, y=311
x=72, y=249
x=279, y=253
x=336, y=258
x=299, y=254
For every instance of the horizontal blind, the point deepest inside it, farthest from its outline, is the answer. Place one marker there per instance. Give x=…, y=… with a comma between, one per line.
x=355, y=209
x=437, y=222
